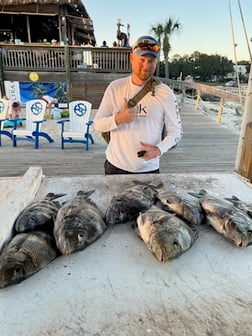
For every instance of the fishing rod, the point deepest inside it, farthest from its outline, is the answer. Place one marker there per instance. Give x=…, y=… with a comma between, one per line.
x=245, y=31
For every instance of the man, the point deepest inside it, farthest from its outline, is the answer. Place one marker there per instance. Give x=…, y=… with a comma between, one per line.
x=104, y=44
x=138, y=129
x=122, y=37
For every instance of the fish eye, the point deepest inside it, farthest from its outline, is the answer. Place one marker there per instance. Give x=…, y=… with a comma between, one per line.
x=175, y=244
x=80, y=236
x=19, y=270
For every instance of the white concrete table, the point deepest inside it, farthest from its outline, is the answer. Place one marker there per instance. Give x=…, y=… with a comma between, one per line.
x=116, y=286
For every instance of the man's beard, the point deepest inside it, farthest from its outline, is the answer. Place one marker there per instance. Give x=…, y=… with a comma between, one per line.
x=144, y=76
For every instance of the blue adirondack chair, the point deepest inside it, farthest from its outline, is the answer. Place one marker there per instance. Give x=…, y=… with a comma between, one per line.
x=79, y=113
x=34, y=110
x=4, y=106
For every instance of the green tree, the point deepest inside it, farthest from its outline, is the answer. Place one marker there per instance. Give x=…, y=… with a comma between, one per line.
x=163, y=33
x=169, y=28
x=158, y=32
x=202, y=67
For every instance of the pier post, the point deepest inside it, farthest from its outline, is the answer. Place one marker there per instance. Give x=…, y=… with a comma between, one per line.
x=68, y=73
x=244, y=152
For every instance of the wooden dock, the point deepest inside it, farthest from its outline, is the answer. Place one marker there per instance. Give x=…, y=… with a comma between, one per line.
x=206, y=147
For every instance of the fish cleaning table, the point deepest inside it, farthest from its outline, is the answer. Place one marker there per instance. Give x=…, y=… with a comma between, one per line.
x=115, y=287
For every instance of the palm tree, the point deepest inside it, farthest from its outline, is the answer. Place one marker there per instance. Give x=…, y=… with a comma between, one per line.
x=169, y=28
x=166, y=31
x=158, y=32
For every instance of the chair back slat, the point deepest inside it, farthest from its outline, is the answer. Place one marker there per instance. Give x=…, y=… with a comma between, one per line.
x=35, y=110
x=79, y=113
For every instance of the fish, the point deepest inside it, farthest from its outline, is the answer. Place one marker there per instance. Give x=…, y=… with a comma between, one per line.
x=127, y=205
x=166, y=235
x=184, y=205
x=231, y=222
x=26, y=254
x=38, y=215
x=79, y=222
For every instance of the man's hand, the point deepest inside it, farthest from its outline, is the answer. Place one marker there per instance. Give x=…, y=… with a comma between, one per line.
x=126, y=115
x=151, y=152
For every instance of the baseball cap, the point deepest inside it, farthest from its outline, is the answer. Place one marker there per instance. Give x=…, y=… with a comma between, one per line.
x=146, y=45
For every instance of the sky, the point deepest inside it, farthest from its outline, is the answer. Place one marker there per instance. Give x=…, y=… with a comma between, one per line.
x=206, y=26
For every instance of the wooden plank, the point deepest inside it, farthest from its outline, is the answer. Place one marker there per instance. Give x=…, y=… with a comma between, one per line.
x=245, y=168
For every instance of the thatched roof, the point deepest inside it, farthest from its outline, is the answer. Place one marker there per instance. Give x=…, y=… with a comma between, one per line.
x=75, y=12
x=41, y=2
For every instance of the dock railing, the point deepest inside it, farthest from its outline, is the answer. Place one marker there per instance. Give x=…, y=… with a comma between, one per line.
x=37, y=57
x=199, y=92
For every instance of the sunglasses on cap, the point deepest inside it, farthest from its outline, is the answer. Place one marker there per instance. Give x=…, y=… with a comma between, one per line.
x=149, y=47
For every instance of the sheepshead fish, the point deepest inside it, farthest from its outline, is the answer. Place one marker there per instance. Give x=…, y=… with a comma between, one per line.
x=166, y=235
x=79, y=223
x=127, y=205
x=26, y=254
x=184, y=205
x=39, y=215
x=227, y=219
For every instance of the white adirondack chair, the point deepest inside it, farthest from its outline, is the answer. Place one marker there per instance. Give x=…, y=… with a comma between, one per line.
x=34, y=110
x=4, y=106
x=79, y=113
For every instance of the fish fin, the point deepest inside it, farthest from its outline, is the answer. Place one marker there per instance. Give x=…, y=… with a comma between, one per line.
x=200, y=194
x=52, y=196
x=234, y=200
x=85, y=193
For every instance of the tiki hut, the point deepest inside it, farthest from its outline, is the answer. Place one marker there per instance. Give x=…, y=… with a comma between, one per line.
x=36, y=21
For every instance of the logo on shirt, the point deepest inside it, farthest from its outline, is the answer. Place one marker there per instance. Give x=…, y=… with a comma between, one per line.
x=141, y=110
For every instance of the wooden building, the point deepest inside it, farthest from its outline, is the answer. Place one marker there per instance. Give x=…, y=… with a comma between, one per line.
x=36, y=21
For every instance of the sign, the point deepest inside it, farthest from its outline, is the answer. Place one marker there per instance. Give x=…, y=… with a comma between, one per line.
x=12, y=90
